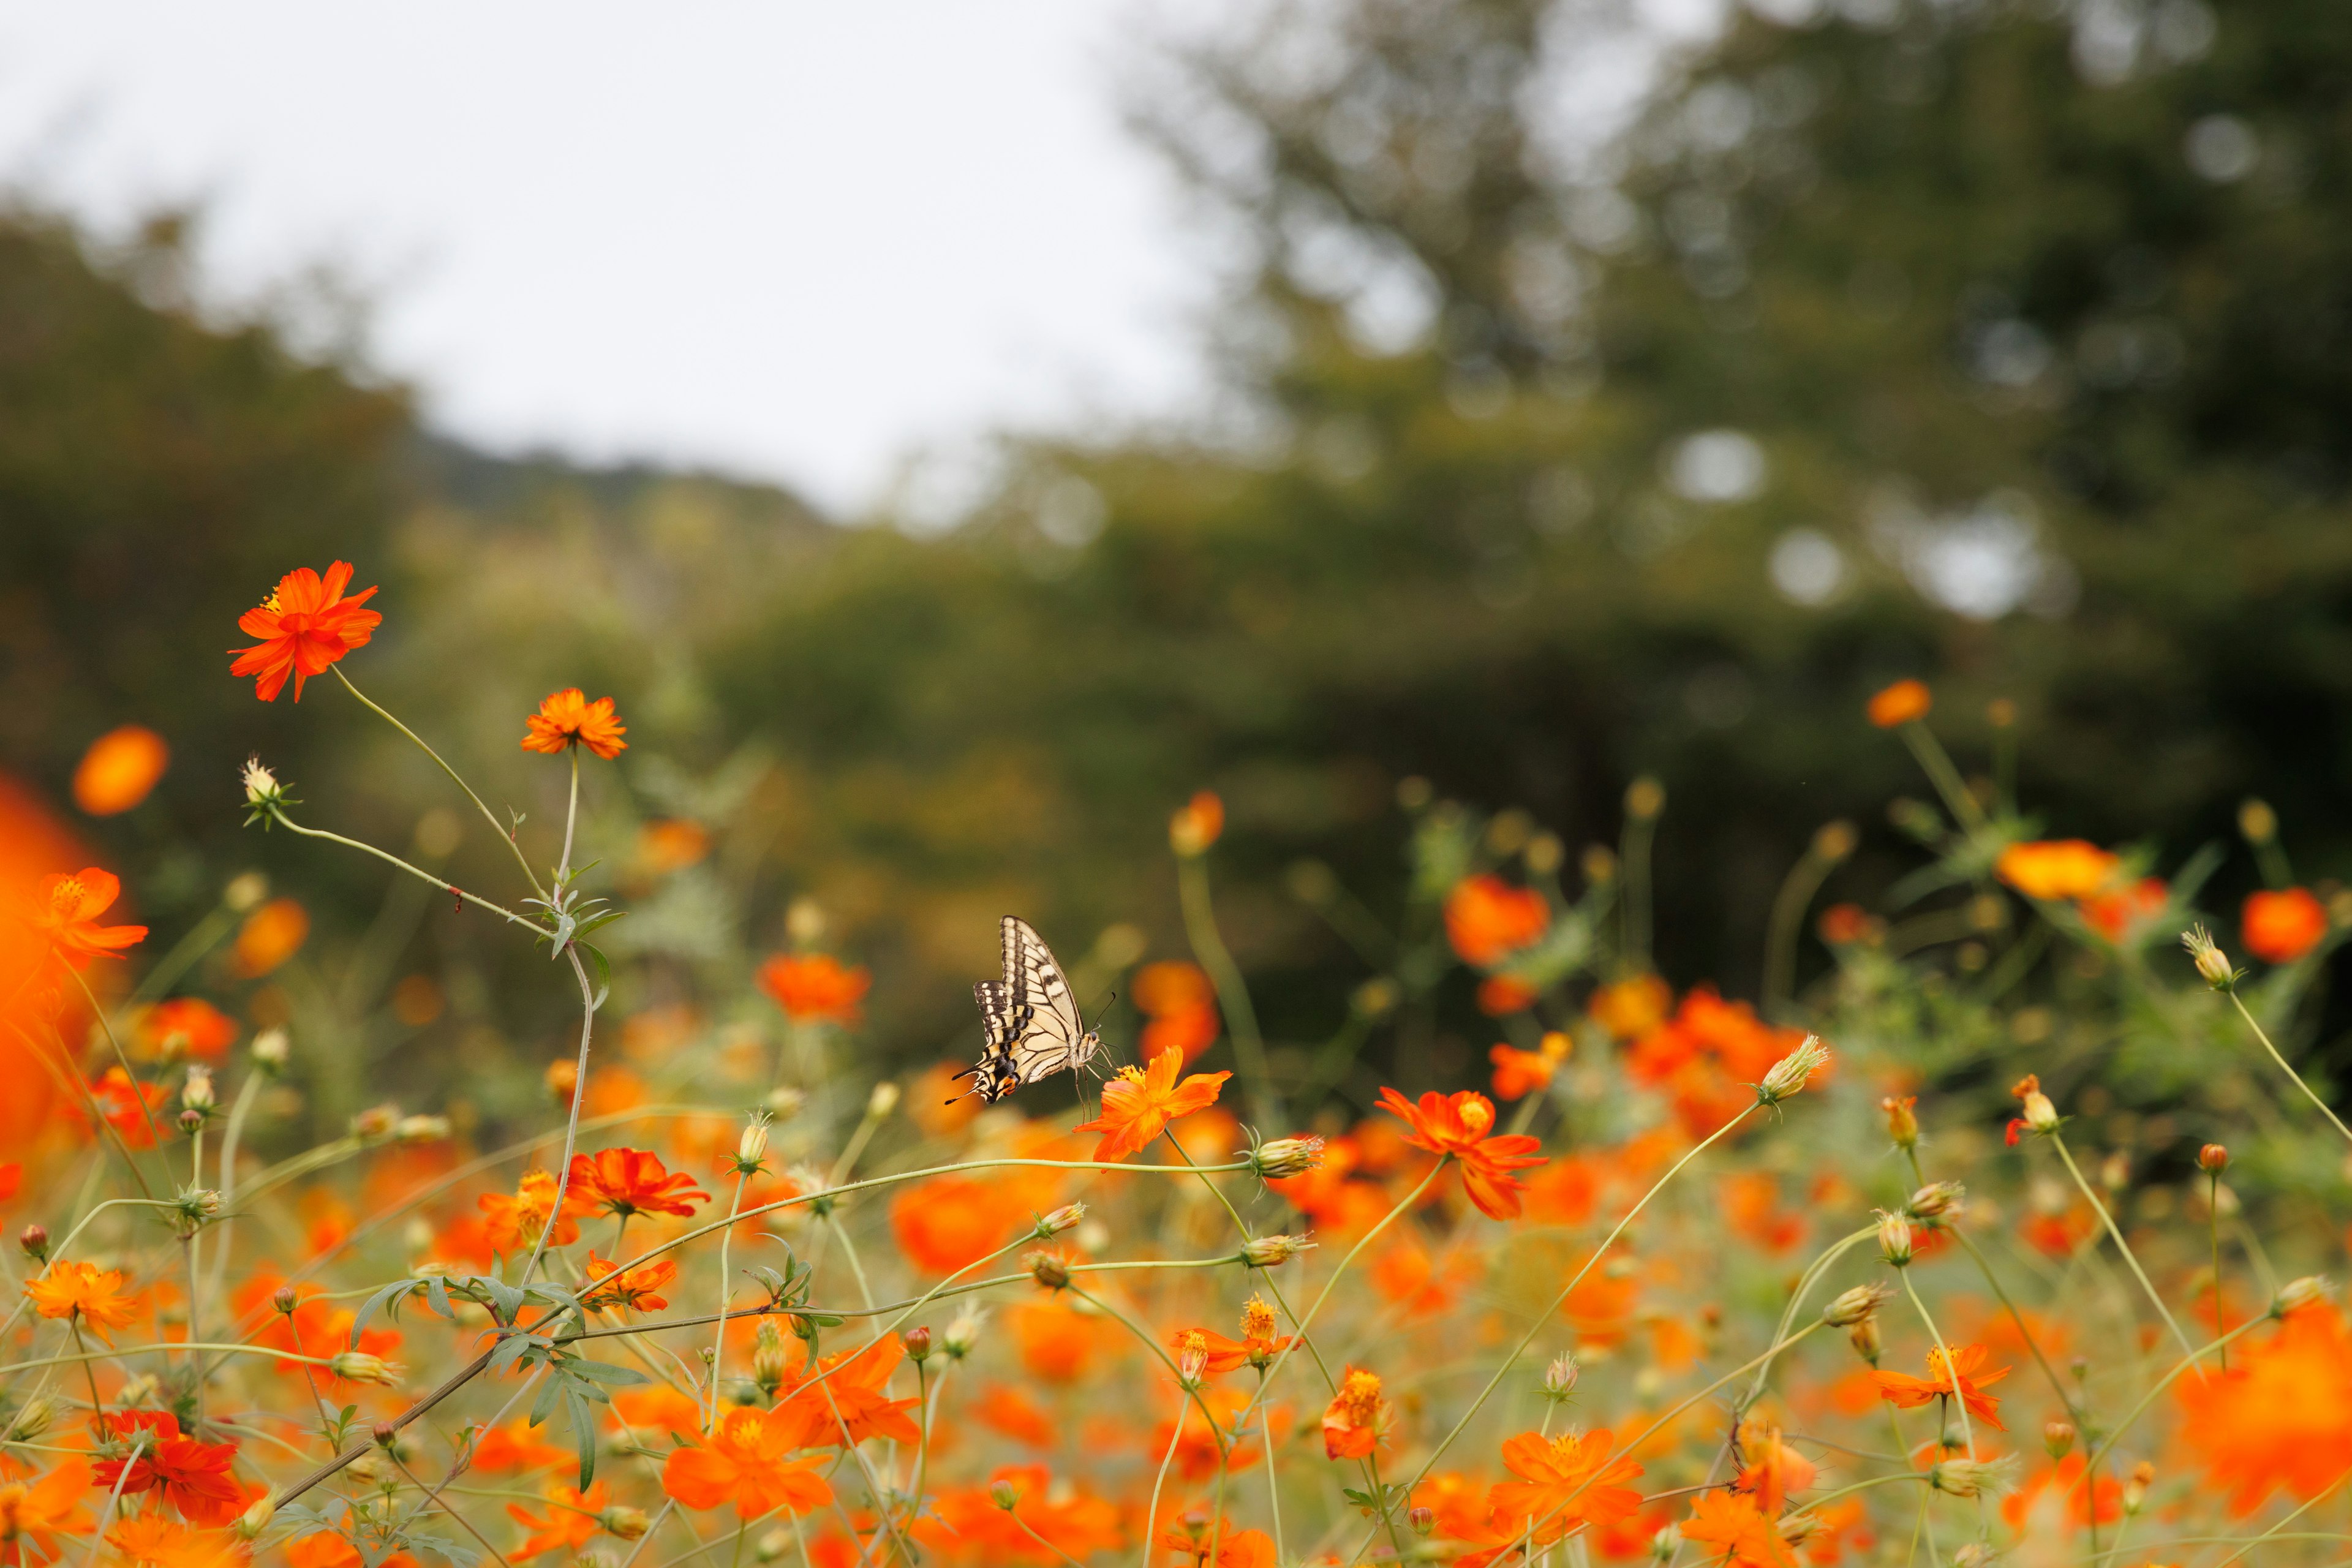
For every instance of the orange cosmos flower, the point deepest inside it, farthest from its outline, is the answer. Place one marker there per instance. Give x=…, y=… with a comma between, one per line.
x=567, y=718
x=1772, y=1468
x=1181, y=1001
x=1500, y=995
x=513, y=1224
x=2280, y=1417
x=1563, y=1482
x=127, y=1104
x=183, y=1026
x=2074, y=1501
x=1140, y=1102
x=854, y=1403
x=656, y=1408
x=2278, y=928
x=304, y=626
x=1357, y=1418
x=742, y=1461
x=192, y=1477
x=631, y=1290
x=968, y=1529
x=570, y=1521
x=1631, y=1008
x=1461, y=1127
x=633, y=1181
x=1900, y=703
x=1257, y=1346
x=1906, y=1392
x=1196, y=824
x=2056, y=868
x=1740, y=1531
x=951, y=1221
x=35, y=1514
x=1487, y=919
x=119, y=770
x=516, y=1445
x=1842, y=925
x=270, y=935
x=65, y=911
x=1519, y=1073
x=151, y=1541
x=815, y=985
x=75, y=1289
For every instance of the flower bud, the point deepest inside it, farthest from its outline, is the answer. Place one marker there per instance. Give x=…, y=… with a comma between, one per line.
x=1196, y=824
x=1793, y=1071
x=244, y=893
x=1282, y=1157
x=627, y=1522
x=1271, y=1251
x=772, y=1546
x=1559, y=1378
x=1902, y=1119
x=35, y=1240
x=1192, y=1358
x=1937, y=1204
x=1049, y=1269
x=1895, y=1240
x=1864, y=1338
x=2297, y=1294
x=255, y=1519
x=784, y=1102
x=374, y=1124
x=197, y=1205
x=1961, y=1477
x=918, y=1341
x=1422, y=1518
x=33, y=1418
x=358, y=1366
x=384, y=1431
x=2143, y=1476
x=1066, y=1217
x=191, y=1121
x=415, y=1130
x=263, y=792
x=284, y=1300
x=2211, y=962
x=752, y=1148
x=768, y=1357
x=1004, y=1495
x=1856, y=1306
x=2037, y=1112
x=882, y=1100
x=2058, y=1439
x=962, y=1336
x=2213, y=1159
x=1975, y=1554
x=1666, y=1544
x=269, y=1050
x=196, y=1094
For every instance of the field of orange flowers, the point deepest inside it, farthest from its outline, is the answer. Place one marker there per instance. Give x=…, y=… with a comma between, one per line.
x=2007, y=1236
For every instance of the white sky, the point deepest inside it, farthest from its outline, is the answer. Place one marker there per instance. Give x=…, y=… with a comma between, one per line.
x=787, y=239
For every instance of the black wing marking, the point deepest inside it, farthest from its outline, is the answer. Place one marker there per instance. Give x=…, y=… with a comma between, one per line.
x=1031, y=1018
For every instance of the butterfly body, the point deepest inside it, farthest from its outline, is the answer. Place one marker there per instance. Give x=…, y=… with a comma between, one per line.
x=1031, y=1017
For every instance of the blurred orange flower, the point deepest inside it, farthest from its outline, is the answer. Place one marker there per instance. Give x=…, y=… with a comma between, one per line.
x=2073, y=1502
x=183, y=1026
x=1138, y=1103
x=119, y=770
x=1500, y=995
x=965, y=1525
x=1960, y=1374
x=1519, y=1073
x=306, y=626
x=631, y=1290
x=742, y=1461
x=1181, y=1001
x=1631, y=1008
x=853, y=1402
x=1058, y=1344
x=515, y=1446
x=1487, y=919
x=514, y=1223
x=815, y=985
x=1461, y=1126
x=949, y=1223
x=2280, y=927
x=1842, y=925
x=2056, y=868
x=1197, y=824
x=1357, y=1418
x=35, y=1514
x=567, y=718
x=2280, y=1417
x=72, y=1290
x=1900, y=704
x=570, y=1522
x=1741, y=1532
x=2121, y=913
x=65, y=911
x=1772, y=1468
x=127, y=1106
x=270, y=935
x=671, y=843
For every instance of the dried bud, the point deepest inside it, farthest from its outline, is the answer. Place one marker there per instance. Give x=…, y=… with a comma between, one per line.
x=358, y=1366
x=1895, y=1240
x=1793, y=1071
x=628, y=1523
x=1559, y=1378
x=269, y=1050
x=384, y=1431
x=752, y=1148
x=1864, y=1338
x=1282, y=1157
x=2143, y=1476
x=255, y=1519
x=2037, y=1112
x=784, y=1102
x=1937, y=1204
x=284, y=1300
x=918, y=1341
x=882, y=1100
x=1961, y=1477
x=1050, y=1269
x=1066, y=1217
x=1271, y=1251
x=2213, y=1159
x=415, y=1130
x=374, y=1124
x=2210, y=960
x=1422, y=1518
x=2298, y=1294
x=768, y=1366
x=35, y=1240
x=196, y=1094
x=1004, y=1495
x=1856, y=1306
x=962, y=1336
x=1902, y=1119
x=2058, y=1439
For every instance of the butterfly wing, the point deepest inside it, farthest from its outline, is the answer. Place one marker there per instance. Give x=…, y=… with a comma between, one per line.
x=1052, y=1035
x=993, y=1076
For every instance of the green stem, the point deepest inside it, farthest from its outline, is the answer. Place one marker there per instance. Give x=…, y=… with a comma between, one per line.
x=726, y=1288
x=2293, y=1075
x=488, y=815
x=2121, y=1245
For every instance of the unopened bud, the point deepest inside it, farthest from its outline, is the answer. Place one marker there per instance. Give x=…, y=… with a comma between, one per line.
x=1895, y=1240
x=191, y=1121
x=918, y=1341
x=245, y=892
x=284, y=1300
x=753, y=1147
x=1422, y=1518
x=1049, y=1269
x=1271, y=1251
x=882, y=1100
x=2058, y=1439
x=627, y=1522
x=417, y=1130
x=269, y=1050
x=255, y=1518
x=772, y=1546
x=784, y=1102
x=1961, y=1477
x=1936, y=1203
x=1856, y=1306
x=1793, y=1071
x=358, y=1366
x=1559, y=1378
x=196, y=1094
x=1066, y=1217
x=2213, y=1159
x=2298, y=1294
x=35, y=1240
x=1975, y=1554
x=1281, y=1157
x=1902, y=1119
x=2143, y=1476
x=962, y=1335
x=384, y=1431
x=768, y=1357
x=1004, y=1495
x=33, y=1419
x=374, y=1124
x=2211, y=962
x=1864, y=1338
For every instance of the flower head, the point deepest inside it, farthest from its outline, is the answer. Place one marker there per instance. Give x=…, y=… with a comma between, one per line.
x=1140, y=1102
x=632, y=1182
x=190, y=1476
x=1461, y=1126
x=119, y=770
x=569, y=1525
x=1487, y=920
x=809, y=987
x=632, y=1290
x=1737, y=1526
x=304, y=626
x=743, y=1461
x=83, y=1291
x=2056, y=868
x=567, y=718
x=1563, y=1482
x=2280, y=927
x=1961, y=1374
x=34, y=1514
x=65, y=909
x=1357, y=1418
x=1901, y=703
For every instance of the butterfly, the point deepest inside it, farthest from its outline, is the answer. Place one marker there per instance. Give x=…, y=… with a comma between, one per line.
x=1032, y=1018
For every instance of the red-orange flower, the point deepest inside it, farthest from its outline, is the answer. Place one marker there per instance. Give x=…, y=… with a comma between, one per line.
x=951, y=1221
x=304, y=626
x=2072, y=1502
x=633, y=1289
x=570, y=1522
x=1181, y=1001
x=1518, y=1073
x=809, y=985
x=127, y=1106
x=1900, y=703
x=2280, y=927
x=1140, y=1102
x=72, y=1288
x=1773, y=1469
x=1462, y=1125
x=2282, y=1415
x=2122, y=913
x=1904, y=1391
x=1487, y=919
x=183, y=1026
x=1259, y=1344
x=567, y=718
x=65, y=909
x=633, y=1181
x=853, y=1402
x=516, y=1445
x=192, y=1477
x=742, y=1461
x=1563, y=1482
x=1357, y=1418
x=1738, y=1529
x=514, y=1224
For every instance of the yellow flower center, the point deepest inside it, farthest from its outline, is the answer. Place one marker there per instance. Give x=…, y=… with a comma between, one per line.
x=1360, y=1396
x=1258, y=1320
x=1478, y=1116
x=1131, y=1074
x=271, y=603
x=64, y=899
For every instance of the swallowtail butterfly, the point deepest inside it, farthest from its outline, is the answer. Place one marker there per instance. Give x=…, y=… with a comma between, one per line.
x=1032, y=1018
